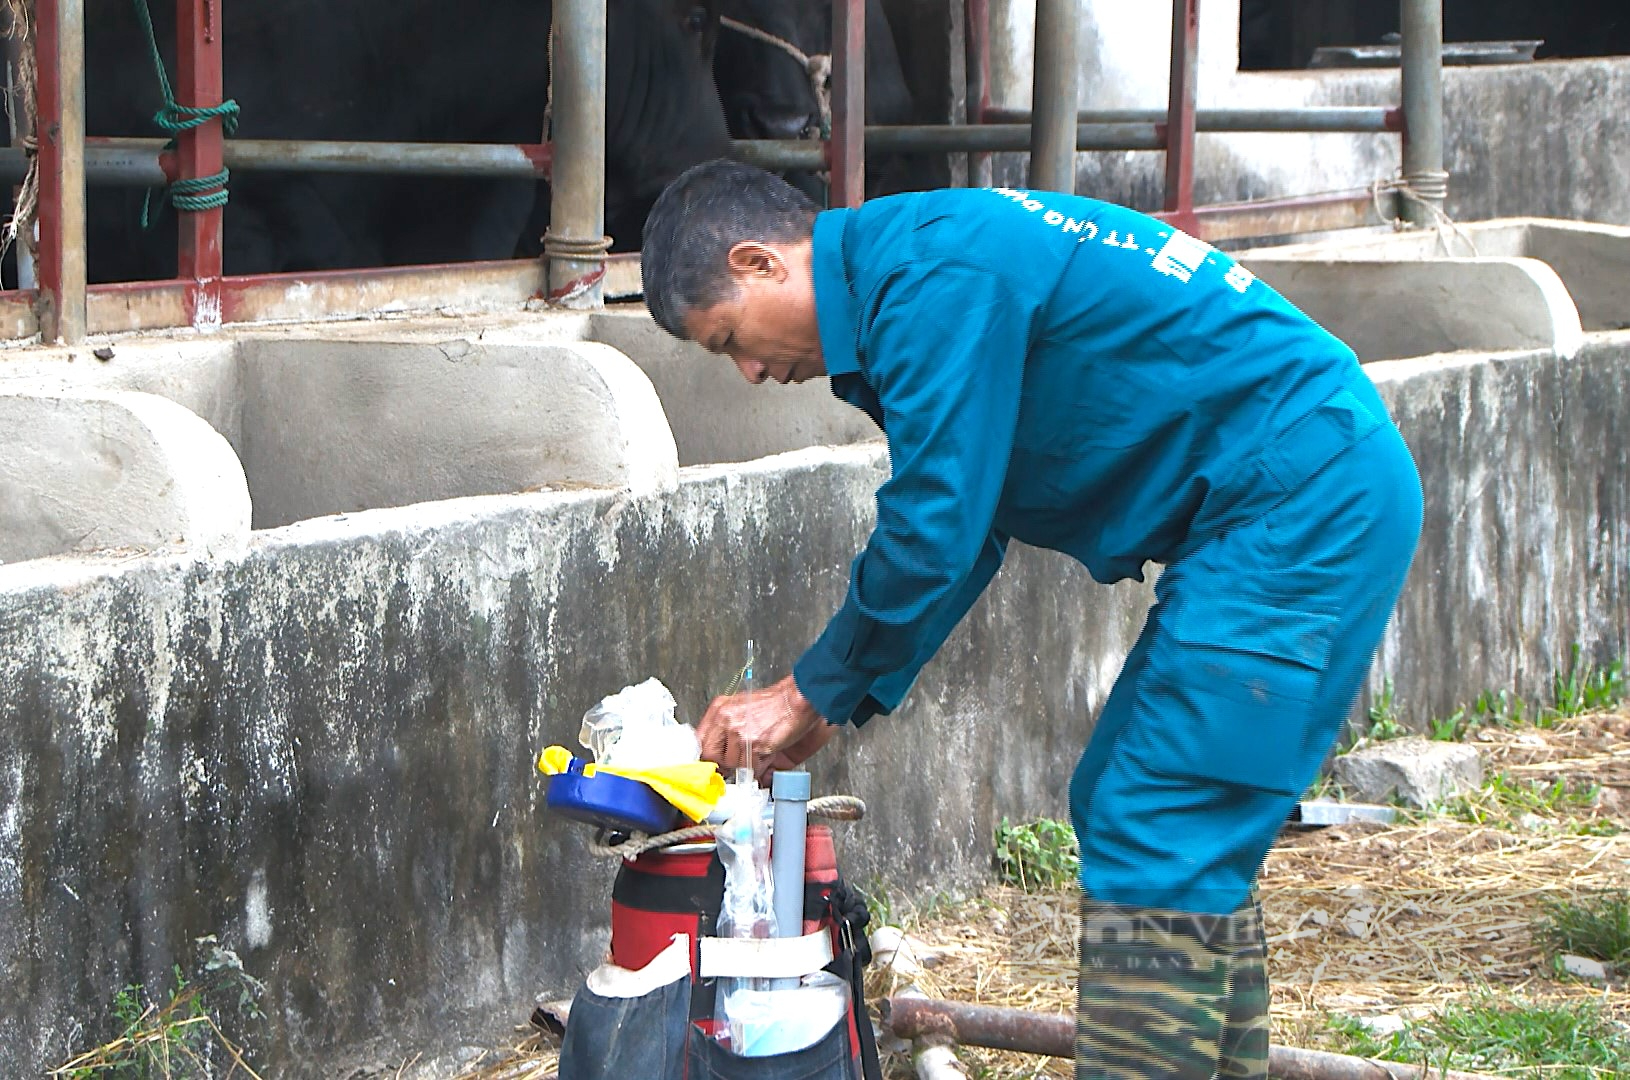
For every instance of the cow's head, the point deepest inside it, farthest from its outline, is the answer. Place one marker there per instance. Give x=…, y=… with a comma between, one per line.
x=767, y=93
x=662, y=109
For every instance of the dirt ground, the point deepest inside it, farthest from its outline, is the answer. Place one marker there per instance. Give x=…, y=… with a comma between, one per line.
x=1363, y=920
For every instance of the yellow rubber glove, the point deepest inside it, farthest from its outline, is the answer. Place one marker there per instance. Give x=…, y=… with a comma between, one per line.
x=694, y=787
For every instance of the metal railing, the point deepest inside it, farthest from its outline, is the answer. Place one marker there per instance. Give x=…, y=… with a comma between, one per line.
x=575, y=250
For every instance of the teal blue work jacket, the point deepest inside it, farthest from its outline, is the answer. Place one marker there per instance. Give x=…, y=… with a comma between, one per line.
x=1048, y=368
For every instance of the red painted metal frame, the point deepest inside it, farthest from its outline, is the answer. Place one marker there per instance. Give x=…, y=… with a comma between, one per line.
x=198, y=83
x=846, y=149
x=1180, y=108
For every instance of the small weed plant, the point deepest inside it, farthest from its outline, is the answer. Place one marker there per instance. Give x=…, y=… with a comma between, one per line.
x=1586, y=688
x=1596, y=925
x=1385, y=722
x=1503, y=802
x=1571, y=1041
x=1037, y=855
x=179, y=1039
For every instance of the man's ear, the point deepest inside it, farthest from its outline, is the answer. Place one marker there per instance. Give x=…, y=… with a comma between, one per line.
x=751, y=259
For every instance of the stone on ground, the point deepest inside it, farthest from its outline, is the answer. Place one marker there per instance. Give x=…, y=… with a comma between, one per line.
x=1418, y=772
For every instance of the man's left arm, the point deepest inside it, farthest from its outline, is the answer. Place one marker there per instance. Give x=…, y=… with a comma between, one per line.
x=946, y=353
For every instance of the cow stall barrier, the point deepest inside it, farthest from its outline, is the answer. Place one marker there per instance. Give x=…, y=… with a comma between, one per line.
x=63, y=160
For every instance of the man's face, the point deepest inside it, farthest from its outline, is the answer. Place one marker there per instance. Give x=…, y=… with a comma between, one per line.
x=768, y=327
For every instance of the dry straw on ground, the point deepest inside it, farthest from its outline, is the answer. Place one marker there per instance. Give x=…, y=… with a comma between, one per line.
x=1363, y=920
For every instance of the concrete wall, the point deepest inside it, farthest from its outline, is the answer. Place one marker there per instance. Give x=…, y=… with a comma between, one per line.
x=320, y=749
x=1532, y=139
x=716, y=415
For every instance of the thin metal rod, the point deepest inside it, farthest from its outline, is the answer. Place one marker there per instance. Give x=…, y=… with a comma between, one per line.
x=575, y=245
x=1366, y=119
x=1054, y=96
x=1422, y=75
x=976, y=23
x=848, y=145
x=1180, y=111
x=911, y=1017
x=198, y=153
x=60, y=129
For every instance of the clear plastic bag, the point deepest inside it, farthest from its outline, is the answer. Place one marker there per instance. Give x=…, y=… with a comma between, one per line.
x=749, y=887
x=635, y=729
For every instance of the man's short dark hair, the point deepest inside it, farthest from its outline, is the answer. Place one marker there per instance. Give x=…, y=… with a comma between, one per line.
x=699, y=217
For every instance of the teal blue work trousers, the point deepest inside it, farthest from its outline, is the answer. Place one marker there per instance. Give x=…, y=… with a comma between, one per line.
x=1250, y=661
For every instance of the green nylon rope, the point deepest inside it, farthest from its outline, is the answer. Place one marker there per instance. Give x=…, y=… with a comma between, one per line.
x=195, y=193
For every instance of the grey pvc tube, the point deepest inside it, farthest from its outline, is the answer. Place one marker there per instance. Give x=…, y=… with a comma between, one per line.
x=789, y=791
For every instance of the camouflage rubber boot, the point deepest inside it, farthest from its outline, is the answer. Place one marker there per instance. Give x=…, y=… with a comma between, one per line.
x=1153, y=996
x=1244, y=1053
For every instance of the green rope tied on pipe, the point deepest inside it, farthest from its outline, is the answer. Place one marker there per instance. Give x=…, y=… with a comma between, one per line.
x=195, y=193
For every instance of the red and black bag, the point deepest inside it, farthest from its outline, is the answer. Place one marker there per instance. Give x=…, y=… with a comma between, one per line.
x=661, y=894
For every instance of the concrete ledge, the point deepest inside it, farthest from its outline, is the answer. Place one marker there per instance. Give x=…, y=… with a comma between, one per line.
x=81, y=472
x=1593, y=260
x=1391, y=309
x=334, y=426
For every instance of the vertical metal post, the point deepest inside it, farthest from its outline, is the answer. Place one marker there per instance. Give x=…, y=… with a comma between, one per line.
x=1422, y=74
x=1054, y=96
x=575, y=244
x=60, y=129
x=846, y=149
x=199, y=151
x=1180, y=107
x=977, y=27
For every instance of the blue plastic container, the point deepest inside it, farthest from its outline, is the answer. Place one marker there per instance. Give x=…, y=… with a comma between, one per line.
x=611, y=802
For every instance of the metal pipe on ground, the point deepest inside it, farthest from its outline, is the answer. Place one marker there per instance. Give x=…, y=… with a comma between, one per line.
x=1422, y=76
x=575, y=245
x=1054, y=96
x=911, y=1017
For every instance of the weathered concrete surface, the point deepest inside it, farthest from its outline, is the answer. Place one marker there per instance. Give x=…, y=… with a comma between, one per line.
x=1525, y=549
x=320, y=749
x=335, y=426
x=1390, y=309
x=716, y=415
x=83, y=471
x=1419, y=772
x=1593, y=260
x=1541, y=139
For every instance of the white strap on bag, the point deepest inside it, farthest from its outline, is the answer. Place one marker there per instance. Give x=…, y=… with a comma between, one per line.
x=766, y=958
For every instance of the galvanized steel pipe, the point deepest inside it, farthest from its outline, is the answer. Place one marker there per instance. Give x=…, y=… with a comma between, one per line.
x=575, y=244
x=1376, y=119
x=1054, y=96
x=1422, y=74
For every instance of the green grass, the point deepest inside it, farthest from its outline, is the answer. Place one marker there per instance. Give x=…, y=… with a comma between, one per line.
x=1385, y=723
x=1585, y=688
x=1596, y=926
x=1502, y=802
x=178, y=1039
x=1037, y=855
x=1571, y=1041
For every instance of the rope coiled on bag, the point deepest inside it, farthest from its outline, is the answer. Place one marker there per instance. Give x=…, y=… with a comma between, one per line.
x=831, y=807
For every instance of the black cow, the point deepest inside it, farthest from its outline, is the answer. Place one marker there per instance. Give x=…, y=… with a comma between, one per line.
x=768, y=95
x=403, y=70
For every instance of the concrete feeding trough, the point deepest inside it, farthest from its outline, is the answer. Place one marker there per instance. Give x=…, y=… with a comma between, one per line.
x=1592, y=262
x=332, y=419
